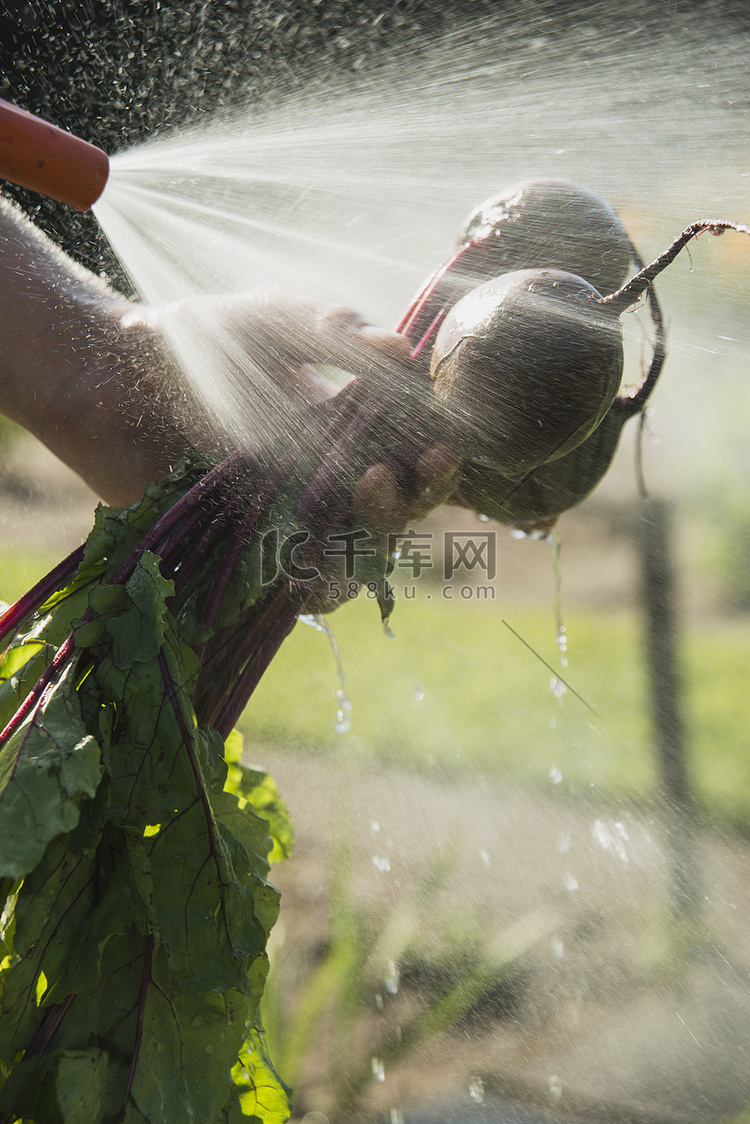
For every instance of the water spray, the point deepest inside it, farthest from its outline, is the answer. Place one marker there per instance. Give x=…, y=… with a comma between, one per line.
x=49, y=160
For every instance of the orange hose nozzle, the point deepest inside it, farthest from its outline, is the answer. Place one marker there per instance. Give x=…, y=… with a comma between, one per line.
x=46, y=159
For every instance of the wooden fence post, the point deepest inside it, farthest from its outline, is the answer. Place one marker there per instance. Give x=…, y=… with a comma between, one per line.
x=667, y=710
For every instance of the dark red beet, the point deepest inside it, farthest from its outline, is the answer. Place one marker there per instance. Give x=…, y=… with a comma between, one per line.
x=549, y=224
x=526, y=365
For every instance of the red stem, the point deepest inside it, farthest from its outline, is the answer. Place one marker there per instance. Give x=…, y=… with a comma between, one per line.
x=13, y=617
x=36, y=694
x=142, y=996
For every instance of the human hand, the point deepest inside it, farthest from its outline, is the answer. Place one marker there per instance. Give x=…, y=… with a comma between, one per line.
x=92, y=375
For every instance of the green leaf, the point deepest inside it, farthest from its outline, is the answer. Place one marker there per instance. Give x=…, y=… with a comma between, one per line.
x=234, y=747
x=138, y=633
x=261, y=1095
x=258, y=789
x=188, y=1040
x=46, y=767
x=205, y=916
x=52, y=912
x=83, y=1086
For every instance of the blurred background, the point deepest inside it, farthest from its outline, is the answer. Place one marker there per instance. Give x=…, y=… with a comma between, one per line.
x=495, y=910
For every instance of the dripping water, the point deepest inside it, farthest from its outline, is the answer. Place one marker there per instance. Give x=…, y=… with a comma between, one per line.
x=557, y=685
x=343, y=721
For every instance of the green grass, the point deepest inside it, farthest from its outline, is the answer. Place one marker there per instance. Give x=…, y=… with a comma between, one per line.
x=486, y=703
x=20, y=569
x=486, y=700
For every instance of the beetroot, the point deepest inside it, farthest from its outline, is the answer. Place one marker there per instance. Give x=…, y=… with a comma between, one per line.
x=550, y=224
x=527, y=366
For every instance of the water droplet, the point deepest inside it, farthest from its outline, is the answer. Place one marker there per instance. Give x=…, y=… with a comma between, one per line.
x=555, y=1087
x=160, y=1047
x=315, y=1118
x=557, y=687
x=343, y=721
x=418, y=693
x=482, y=517
x=397, y=1116
x=561, y=634
x=393, y=978
x=484, y=857
x=209, y=1047
x=563, y=842
x=311, y=620
x=378, y=1001
x=388, y=630
x=476, y=1090
x=612, y=838
x=555, y=775
x=197, y=1022
x=517, y=533
x=381, y=863
x=570, y=882
x=562, y=642
x=378, y=1069
x=375, y=826
x=558, y=948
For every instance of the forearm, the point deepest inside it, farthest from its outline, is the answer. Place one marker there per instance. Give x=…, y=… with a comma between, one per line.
x=45, y=303
x=70, y=349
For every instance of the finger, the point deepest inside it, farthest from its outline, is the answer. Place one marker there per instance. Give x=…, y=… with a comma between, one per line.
x=389, y=345
x=438, y=472
x=378, y=501
x=283, y=332
x=346, y=340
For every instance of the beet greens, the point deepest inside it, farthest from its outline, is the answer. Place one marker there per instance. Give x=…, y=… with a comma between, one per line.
x=136, y=952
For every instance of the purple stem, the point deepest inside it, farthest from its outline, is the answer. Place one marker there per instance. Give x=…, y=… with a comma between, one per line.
x=36, y=694
x=172, y=549
x=438, y=293
x=264, y=640
x=419, y=347
x=13, y=617
x=196, y=496
x=49, y=1025
x=258, y=505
